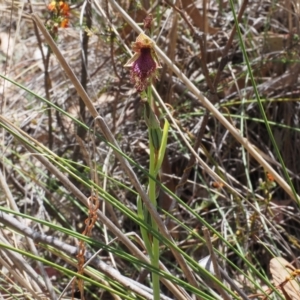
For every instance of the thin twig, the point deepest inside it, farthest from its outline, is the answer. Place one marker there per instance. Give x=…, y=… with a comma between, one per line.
x=192, y=160
x=202, y=44
x=222, y=63
x=215, y=263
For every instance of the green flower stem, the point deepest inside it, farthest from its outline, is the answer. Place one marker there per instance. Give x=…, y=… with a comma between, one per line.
x=157, y=145
x=155, y=241
x=154, y=148
x=143, y=214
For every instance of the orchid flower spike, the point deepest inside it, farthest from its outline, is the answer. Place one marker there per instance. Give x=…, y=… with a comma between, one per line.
x=144, y=63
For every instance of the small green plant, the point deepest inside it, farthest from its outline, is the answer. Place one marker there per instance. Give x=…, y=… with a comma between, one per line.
x=144, y=65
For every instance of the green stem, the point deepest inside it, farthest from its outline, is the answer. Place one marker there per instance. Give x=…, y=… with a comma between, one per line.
x=157, y=145
x=155, y=242
x=152, y=195
x=143, y=215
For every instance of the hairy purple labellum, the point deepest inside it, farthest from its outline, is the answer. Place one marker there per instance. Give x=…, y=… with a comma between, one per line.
x=143, y=69
x=144, y=62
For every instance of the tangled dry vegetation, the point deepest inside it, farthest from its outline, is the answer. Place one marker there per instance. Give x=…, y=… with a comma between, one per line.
x=234, y=199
